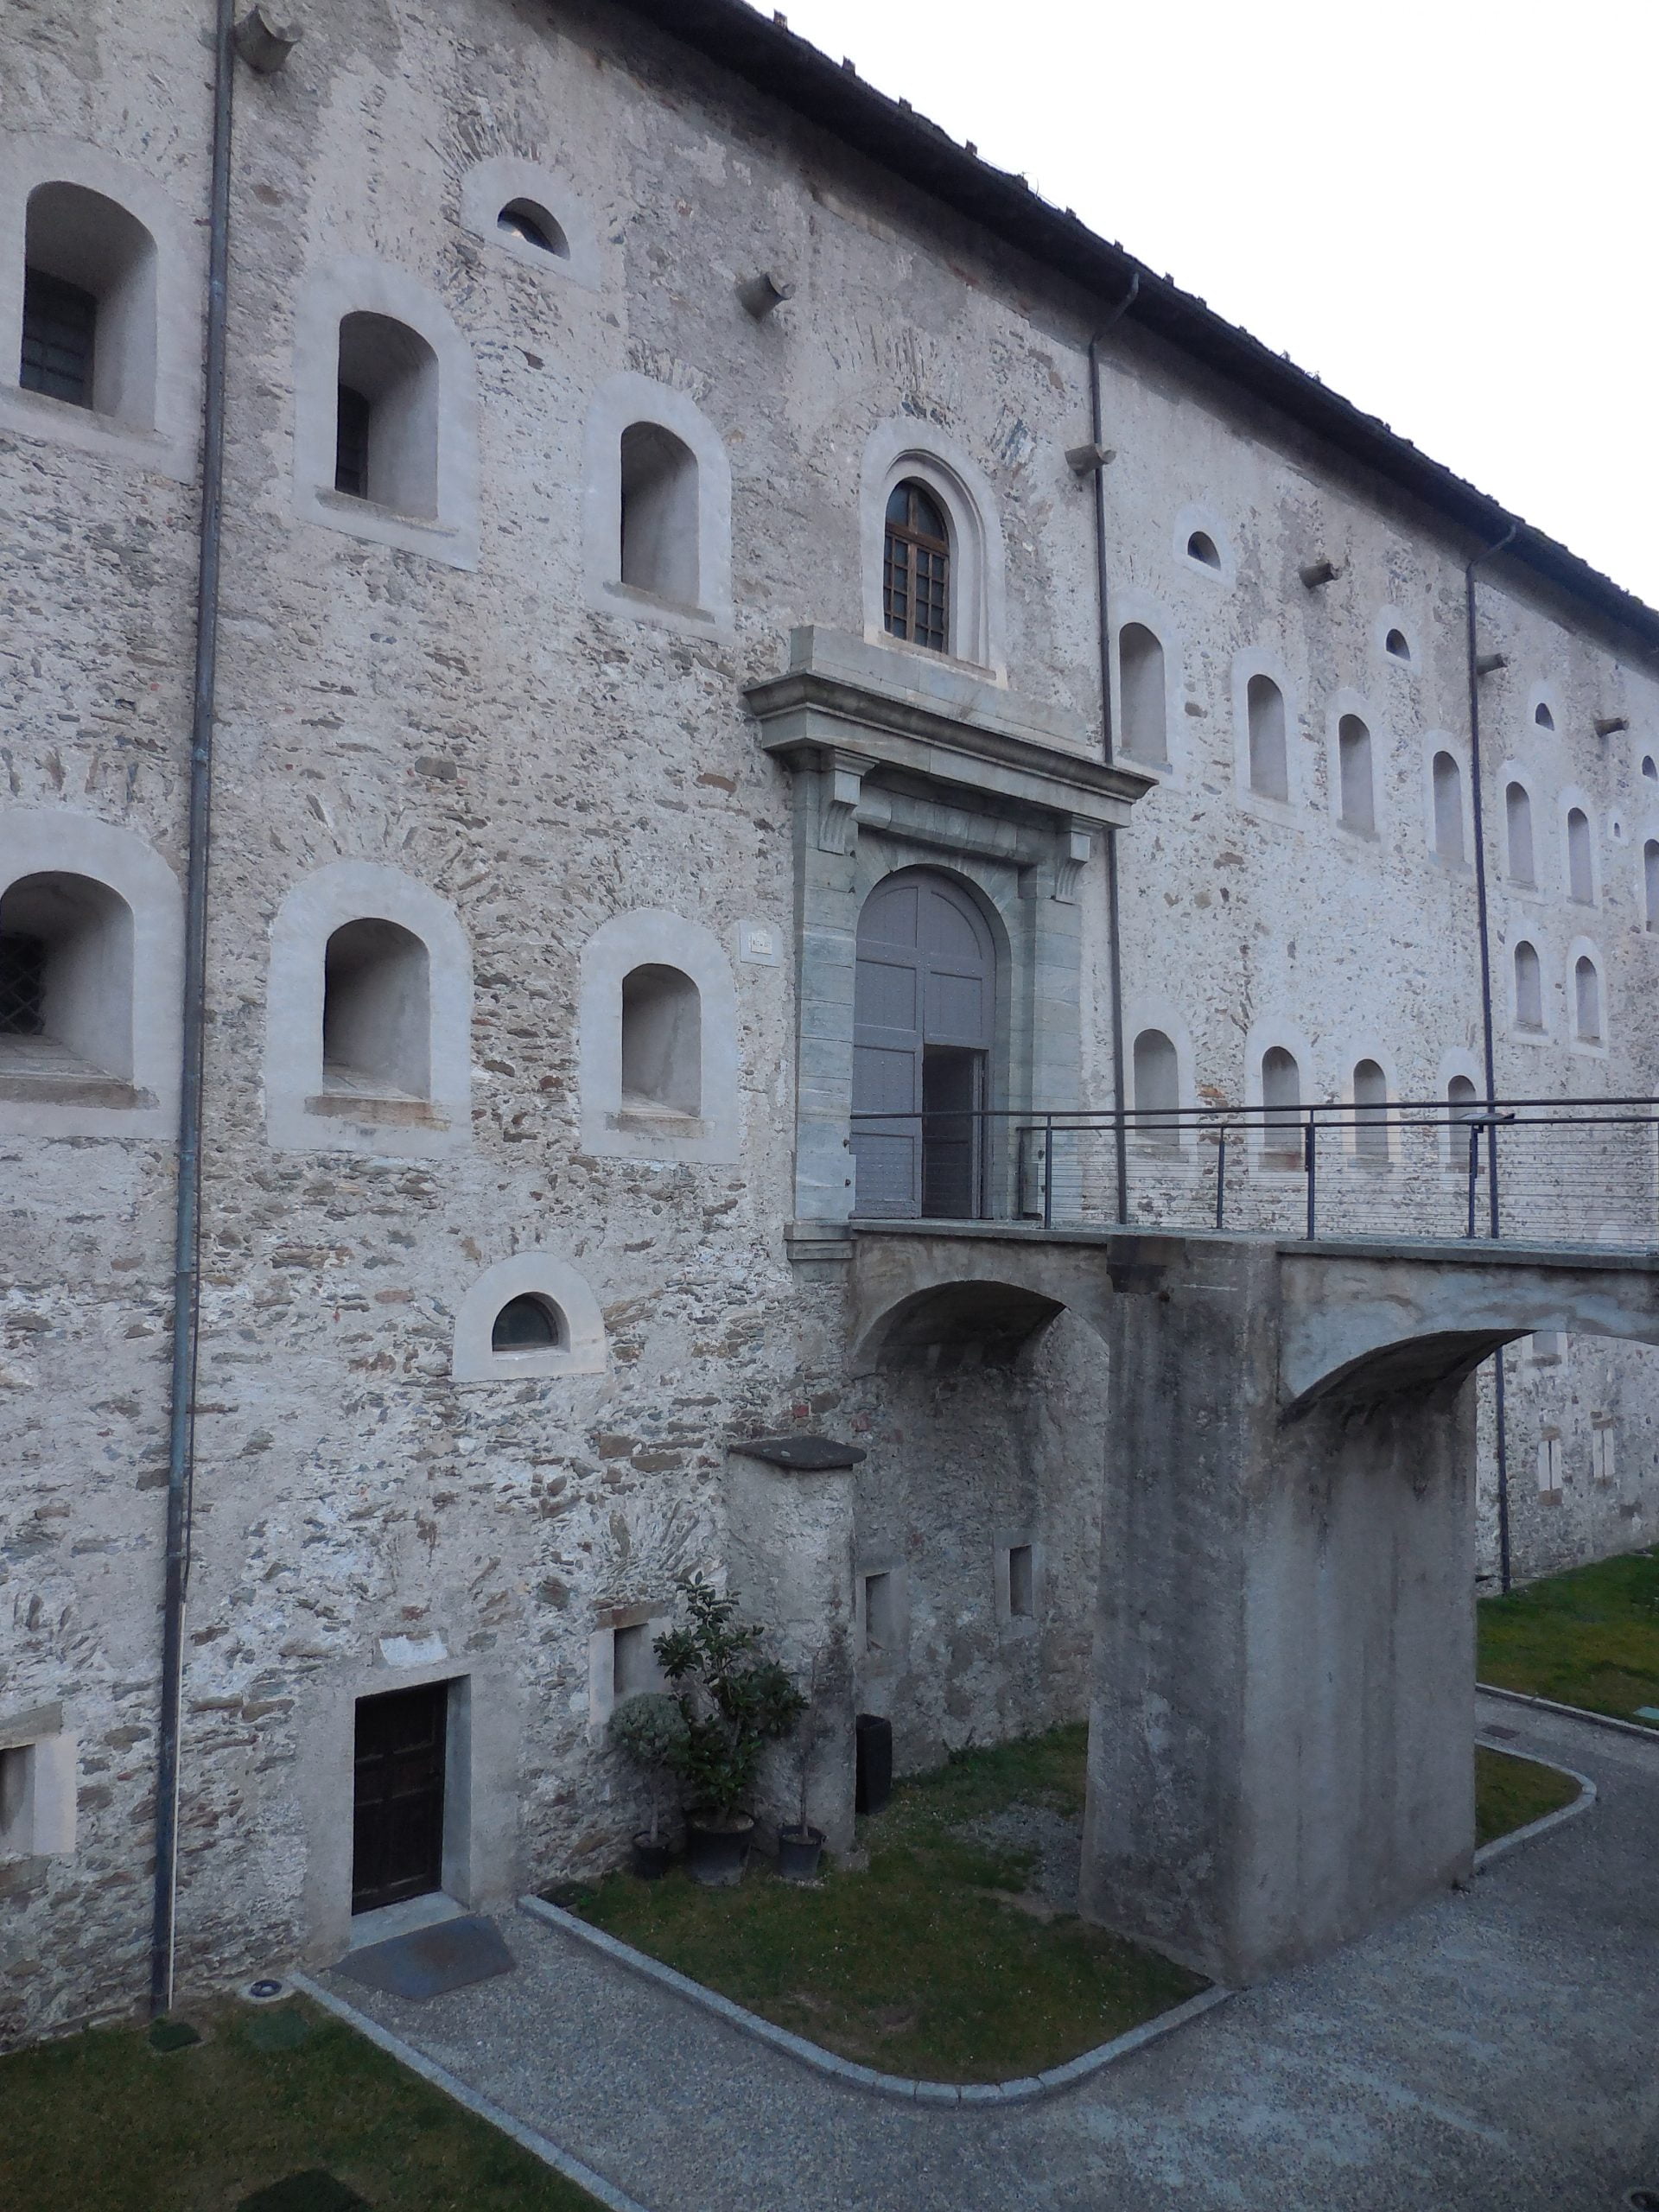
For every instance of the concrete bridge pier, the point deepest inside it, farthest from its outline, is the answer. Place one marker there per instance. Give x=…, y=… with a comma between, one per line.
x=1284, y=1668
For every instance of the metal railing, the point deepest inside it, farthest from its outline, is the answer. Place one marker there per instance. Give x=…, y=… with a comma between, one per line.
x=1543, y=1170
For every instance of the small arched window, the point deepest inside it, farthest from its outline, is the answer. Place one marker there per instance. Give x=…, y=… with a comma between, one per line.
x=65, y=980
x=1580, y=871
x=1448, y=807
x=661, y=1042
x=1357, y=797
x=916, y=567
x=376, y=1013
x=1202, y=547
x=1517, y=815
x=1281, y=1097
x=1650, y=768
x=533, y=225
x=1529, y=990
x=1141, y=675
x=1396, y=646
x=529, y=1324
x=1371, y=1113
x=1265, y=713
x=660, y=519
x=1462, y=1100
x=1586, y=1001
x=1157, y=1087
x=89, y=304
x=1542, y=717
x=1650, y=880
x=386, y=435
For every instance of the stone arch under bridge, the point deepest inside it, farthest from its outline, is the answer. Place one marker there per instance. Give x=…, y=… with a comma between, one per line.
x=1283, y=1676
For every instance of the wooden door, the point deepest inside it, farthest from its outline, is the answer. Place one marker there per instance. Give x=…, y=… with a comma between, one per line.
x=397, y=1829
x=924, y=1017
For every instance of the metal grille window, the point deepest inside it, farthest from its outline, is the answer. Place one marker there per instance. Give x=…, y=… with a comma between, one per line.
x=60, y=324
x=352, y=444
x=22, y=986
x=916, y=570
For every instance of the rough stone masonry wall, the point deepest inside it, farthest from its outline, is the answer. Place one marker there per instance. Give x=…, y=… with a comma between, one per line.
x=544, y=765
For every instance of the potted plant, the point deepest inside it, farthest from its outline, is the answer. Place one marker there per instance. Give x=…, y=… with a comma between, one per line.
x=732, y=1701
x=800, y=1848
x=650, y=1728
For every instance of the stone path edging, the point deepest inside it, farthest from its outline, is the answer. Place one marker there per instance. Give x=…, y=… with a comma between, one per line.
x=528, y=2138
x=1571, y=1713
x=899, y=2087
x=1546, y=1821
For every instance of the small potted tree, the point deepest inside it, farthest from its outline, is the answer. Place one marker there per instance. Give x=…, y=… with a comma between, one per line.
x=651, y=1729
x=732, y=1701
x=800, y=1848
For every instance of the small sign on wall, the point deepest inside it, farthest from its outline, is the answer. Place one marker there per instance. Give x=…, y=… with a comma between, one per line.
x=760, y=943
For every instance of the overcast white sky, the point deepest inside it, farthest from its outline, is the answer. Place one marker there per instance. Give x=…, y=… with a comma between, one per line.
x=1447, y=208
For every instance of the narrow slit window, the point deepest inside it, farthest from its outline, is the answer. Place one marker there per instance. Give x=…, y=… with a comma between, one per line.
x=1650, y=880
x=1448, y=779
x=1529, y=990
x=1371, y=1114
x=1022, y=1584
x=1586, y=1001
x=662, y=1041
x=352, y=444
x=1264, y=705
x=880, y=1634
x=1517, y=812
x=1358, y=796
x=1141, y=675
x=1462, y=1100
x=1549, y=1464
x=633, y=1662
x=916, y=569
x=1581, y=868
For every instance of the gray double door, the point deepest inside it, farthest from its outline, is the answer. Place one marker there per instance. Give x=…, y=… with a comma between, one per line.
x=923, y=1018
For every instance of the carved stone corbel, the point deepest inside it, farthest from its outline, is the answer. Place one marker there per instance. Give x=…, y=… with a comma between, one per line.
x=1072, y=848
x=844, y=777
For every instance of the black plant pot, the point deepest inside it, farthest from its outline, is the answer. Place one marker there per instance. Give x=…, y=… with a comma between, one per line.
x=798, y=1849
x=717, y=1847
x=650, y=1860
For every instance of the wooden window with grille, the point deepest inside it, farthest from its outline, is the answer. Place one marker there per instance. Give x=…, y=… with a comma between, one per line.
x=60, y=324
x=916, y=570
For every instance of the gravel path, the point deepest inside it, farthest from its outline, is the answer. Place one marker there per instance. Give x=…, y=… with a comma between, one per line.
x=1494, y=2051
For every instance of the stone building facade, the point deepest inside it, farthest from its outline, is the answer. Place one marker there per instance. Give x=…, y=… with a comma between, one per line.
x=564, y=743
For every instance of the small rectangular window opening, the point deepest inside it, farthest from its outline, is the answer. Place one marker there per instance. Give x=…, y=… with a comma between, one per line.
x=879, y=1634
x=16, y=1801
x=1601, y=1449
x=1549, y=1464
x=633, y=1663
x=59, y=328
x=1022, y=1585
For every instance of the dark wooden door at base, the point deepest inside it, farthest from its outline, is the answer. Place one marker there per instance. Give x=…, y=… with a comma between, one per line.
x=397, y=1831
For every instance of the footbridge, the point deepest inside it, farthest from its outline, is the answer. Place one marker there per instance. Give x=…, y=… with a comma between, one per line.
x=1283, y=1699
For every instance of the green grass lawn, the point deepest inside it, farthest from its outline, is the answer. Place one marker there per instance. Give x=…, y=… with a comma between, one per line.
x=1510, y=1792
x=101, y=2123
x=1589, y=1638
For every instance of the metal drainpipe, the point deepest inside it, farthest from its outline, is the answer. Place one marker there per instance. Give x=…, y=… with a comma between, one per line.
x=1484, y=914
x=1115, y=951
x=187, y=1239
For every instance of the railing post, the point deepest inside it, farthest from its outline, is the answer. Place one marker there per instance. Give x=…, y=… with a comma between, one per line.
x=1221, y=1180
x=1310, y=1164
x=1048, y=1171
x=1474, y=1173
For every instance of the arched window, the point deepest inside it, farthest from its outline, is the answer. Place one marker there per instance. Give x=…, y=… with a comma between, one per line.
x=1650, y=768
x=916, y=567
x=662, y=1041
x=1586, y=1001
x=89, y=304
x=66, y=982
x=1265, y=713
x=386, y=433
x=1396, y=646
x=1542, y=717
x=1141, y=675
x=1157, y=1088
x=1371, y=1114
x=1202, y=547
x=1650, y=880
x=1282, y=1096
x=1581, y=872
x=1462, y=1099
x=529, y=1323
x=659, y=514
x=1517, y=815
x=376, y=1013
x=1357, y=797
x=533, y=225
x=1528, y=988
x=1448, y=807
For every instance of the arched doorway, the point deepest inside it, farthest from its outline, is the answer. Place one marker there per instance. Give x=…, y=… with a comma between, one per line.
x=923, y=1018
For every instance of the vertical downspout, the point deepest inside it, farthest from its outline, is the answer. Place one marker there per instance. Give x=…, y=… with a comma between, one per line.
x=1115, y=949
x=1490, y=1062
x=186, y=1238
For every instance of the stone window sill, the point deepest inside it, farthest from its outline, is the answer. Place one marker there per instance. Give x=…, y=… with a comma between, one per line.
x=348, y=507
x=382, y=1111
x=659, y=1120
x=656, y=602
